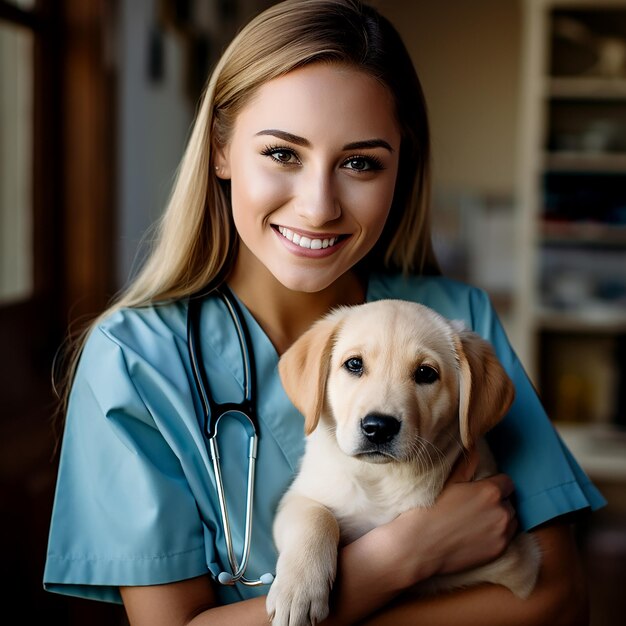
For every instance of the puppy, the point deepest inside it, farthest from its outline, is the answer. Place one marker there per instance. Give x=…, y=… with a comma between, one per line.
x=391, y=393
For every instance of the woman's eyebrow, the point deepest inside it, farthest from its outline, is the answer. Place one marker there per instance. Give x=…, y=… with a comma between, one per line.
x=368, y=143
x=282, y=134
x=301, y=141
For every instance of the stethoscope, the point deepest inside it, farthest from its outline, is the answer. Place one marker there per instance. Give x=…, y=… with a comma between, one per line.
x=213, y=412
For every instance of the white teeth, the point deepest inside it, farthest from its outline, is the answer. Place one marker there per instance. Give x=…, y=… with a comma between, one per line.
x=305, y=242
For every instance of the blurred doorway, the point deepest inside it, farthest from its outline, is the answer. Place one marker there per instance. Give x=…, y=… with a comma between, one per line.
x=56, y=190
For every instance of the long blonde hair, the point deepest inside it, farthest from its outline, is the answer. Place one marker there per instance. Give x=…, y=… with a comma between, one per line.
x=196, y=241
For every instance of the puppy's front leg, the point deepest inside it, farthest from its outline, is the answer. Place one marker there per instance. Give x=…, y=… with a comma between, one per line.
x=306, y=535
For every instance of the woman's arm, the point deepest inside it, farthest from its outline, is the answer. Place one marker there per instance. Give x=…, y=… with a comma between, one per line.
x=559, y=599
x=471, y=523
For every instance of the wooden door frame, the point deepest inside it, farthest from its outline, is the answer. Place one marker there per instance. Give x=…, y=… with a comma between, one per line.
x=88, y=122
x=73, y=174
x=73, y=279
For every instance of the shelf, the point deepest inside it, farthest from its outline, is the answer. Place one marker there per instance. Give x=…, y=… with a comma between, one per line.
x=599, y=448
x=572, y=185
x=601, y=319
x=604, y=162
x=583, y=233
x=586, y=88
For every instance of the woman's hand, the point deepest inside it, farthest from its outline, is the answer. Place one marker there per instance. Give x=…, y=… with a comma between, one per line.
x=471, y=523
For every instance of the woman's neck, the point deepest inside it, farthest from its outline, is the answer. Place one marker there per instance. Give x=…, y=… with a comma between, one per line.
x=285, y=314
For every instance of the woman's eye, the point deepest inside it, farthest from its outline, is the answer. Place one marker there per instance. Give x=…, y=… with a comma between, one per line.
x=426, y=375
x=282, y=155
x=354, y=365
x=363, y=164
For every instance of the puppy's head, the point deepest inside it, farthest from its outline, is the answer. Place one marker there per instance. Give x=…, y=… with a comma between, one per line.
x=391, y=377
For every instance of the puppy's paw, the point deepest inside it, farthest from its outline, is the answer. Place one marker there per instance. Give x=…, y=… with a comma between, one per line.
x=300, y=593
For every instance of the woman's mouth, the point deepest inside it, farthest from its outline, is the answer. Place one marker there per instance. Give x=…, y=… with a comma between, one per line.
x=308, y=243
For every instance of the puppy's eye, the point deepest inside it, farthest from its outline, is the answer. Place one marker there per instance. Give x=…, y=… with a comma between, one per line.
x=354, y=365
x=426, y=375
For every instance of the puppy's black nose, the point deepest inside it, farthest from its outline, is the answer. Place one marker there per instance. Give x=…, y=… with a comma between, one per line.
x=379, y=428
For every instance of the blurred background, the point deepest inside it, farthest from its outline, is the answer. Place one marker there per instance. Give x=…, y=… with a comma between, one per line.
x=527, y=101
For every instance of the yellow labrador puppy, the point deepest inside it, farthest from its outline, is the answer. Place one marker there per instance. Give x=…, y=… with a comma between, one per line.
x=391, y=393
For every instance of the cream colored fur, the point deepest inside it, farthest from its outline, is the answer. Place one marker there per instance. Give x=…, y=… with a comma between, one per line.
x=346, y=484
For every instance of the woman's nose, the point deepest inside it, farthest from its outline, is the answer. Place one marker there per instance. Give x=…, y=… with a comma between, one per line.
x=319, y=203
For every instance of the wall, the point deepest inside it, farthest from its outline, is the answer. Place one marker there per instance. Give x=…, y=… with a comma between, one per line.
x=16, y=262
x=155, y=115
x=467, y=54
x=153, y=121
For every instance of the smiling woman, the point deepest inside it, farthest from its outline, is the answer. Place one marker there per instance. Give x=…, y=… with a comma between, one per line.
x=304, y=189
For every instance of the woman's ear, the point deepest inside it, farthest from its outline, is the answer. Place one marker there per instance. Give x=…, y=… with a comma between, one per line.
x=221, y=161
x=304, y=367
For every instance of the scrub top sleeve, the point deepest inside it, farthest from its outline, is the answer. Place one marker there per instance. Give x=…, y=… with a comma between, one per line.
x=123, y=512
x=549, y=482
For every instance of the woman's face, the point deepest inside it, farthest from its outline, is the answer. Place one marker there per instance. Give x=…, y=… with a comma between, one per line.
x=312, y=161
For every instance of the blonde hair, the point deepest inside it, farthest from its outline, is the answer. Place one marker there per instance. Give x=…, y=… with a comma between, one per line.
x=196, y=241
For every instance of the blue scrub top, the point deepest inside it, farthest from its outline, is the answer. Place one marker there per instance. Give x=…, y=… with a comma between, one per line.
x=135, y=501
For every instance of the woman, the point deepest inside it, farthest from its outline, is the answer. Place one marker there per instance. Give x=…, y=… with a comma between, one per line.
x=304, y=186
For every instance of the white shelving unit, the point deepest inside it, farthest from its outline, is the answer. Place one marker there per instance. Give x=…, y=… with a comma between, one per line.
x=599, y=448
x=571, y=296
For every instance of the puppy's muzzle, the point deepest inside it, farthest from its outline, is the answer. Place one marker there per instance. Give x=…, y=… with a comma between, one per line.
x=380, y=429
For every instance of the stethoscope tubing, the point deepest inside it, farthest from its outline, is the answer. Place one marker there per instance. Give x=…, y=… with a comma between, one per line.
x=213, y=412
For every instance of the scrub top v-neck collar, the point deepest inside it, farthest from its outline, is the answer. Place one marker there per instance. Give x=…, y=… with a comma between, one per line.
x=218, y=335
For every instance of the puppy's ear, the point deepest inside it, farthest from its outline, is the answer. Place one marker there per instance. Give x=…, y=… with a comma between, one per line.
x=303, y=370
x=486, y=392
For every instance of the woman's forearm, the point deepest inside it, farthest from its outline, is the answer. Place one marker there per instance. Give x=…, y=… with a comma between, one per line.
x=467, y=526
x=246, y=613
x=483, y=605
x=560, y=598
x=366, y=583
x=371, y=579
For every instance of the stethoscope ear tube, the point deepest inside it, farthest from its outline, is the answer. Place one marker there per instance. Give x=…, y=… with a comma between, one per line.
x=211, y=409
x=195, y=356
x=213, y=412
